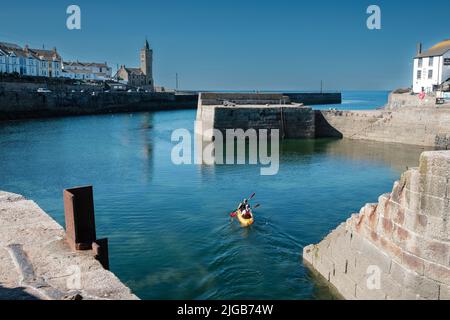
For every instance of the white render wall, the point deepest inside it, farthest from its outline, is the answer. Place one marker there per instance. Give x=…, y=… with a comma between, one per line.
x=425, y=82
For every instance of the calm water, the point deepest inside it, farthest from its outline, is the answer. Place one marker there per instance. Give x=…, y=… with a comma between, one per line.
x=359, y=100
x=169, y=227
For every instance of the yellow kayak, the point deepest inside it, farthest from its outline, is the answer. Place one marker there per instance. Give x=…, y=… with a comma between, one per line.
x=244, y=222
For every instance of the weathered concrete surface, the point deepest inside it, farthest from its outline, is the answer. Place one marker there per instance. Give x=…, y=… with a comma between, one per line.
x=254, y=111
x=409, y=125
x=405, y=237
x=402, y=100
x=36, y=262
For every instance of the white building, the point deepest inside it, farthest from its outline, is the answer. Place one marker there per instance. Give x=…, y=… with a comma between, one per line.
x=14, y=59
x=29, y=62
x=86, y=70
x=50, y=62
x=432, y=67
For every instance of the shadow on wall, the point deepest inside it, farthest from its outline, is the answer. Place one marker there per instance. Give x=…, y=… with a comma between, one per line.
x=324, y=129
x=15, y=294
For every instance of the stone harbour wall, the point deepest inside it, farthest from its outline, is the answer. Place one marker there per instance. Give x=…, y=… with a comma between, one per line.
x=253, y=111
x=398, y=248
x=409, y=125
x=31, y=104
x=291, y=121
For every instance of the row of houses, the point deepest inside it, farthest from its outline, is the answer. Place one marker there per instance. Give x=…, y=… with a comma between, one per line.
x=48, y=63
x=31, y=62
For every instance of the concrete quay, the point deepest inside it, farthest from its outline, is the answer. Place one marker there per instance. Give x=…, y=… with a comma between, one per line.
x=224, y=111
x=36, y=262
x=398, y=248
x=428, y=127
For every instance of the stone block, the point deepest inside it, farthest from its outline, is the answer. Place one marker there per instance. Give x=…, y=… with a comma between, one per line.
x=414, y=286
x=412, y=200
x=391, y=209
x=372, y=255
x=413, y=263
x=435, y=186
x=437, y=272
x=391, y=288
x=325, y=267
x=382, y=200
x=345, y=285
x=362, y=293
x=437, y=228
x=444, y=293
x=413, y=180
x=436, y=251
x=386, y=228
x=432, y=206
x=391, y=249
x=436, y=163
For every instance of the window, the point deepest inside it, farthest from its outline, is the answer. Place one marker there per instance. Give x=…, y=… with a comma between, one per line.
x=419, y=74
x=430, y=61
x=430, y=74
x=420, y=63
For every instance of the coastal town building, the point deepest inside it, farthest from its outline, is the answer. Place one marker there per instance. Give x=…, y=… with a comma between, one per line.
x=30, y=62
x=14, y=59
x=139, y=77
x=86, y=70
x=431, y=67
x=50, y=62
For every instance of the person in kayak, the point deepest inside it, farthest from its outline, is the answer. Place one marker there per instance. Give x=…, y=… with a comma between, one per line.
x=243, y=205
x=247, y=213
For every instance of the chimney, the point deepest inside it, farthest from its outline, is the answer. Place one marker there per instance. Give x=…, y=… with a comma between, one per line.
x=419, y=48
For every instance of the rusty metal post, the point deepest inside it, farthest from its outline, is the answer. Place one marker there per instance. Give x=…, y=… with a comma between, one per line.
x=80, y=219
x=80, y=223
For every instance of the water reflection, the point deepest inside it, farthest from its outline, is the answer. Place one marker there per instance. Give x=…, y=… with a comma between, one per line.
x=397, y=156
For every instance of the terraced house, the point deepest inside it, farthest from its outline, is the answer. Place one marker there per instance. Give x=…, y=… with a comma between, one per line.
x=14, y=59
x=29, y=62
x=86, y=70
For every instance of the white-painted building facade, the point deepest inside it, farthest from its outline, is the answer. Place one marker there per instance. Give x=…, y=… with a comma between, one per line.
x=431, y=68
x=29, y=62
x=14, y=59
x=87, y=70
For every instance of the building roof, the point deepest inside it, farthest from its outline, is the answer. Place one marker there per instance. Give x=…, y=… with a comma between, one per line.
x=7, y=45
x=46, y=54
x=437, y=50
x=85, y=64
x=134, y=71
x=18, y=52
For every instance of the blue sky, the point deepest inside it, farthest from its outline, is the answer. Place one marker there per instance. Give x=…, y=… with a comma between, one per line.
x=240, y=44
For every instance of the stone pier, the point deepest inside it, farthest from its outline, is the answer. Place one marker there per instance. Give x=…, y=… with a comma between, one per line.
x=37, y=263
x=245, y=111
x=398, y=248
